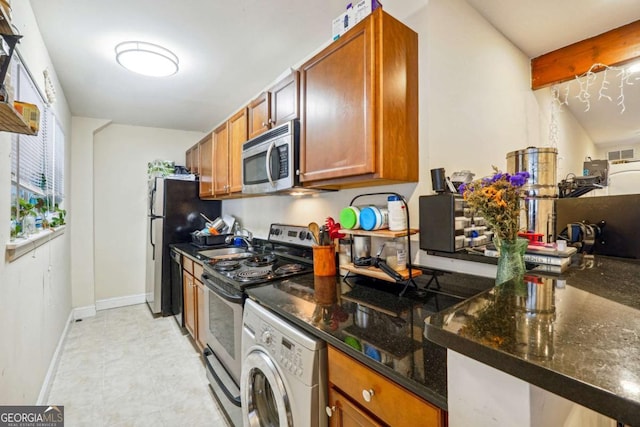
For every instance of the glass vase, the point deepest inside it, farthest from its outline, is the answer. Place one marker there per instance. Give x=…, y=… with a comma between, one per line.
x=511, y=266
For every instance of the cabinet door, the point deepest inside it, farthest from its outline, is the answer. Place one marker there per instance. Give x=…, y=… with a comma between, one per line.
x=237, y=136
x=201, y=321
x=206, y=166
x=194, y=162
x=221, y=160
x=284, y=99
x=337, y=108
x=259, y=114
x=353, y=379
x=189, y=302
x=347, y=414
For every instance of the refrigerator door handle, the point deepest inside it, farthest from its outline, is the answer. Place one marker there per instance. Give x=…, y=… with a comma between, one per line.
x=152, y=199
x=153, y=245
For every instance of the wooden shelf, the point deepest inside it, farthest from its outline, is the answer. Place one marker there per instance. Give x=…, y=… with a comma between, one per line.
x=379, y=233
x=377, y=273
x=11, y=121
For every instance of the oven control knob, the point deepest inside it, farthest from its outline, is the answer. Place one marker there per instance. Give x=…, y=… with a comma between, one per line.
x=302, y=235
x=267, y=338
x=276, y=231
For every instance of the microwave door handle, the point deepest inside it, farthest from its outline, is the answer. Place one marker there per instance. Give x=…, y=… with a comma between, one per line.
x=268, y=160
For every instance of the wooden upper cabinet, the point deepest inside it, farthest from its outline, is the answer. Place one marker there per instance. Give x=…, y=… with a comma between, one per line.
x=259, y=114
x=205, y=155
x=193, y=159
x=359, y=107
x=237, y=136
x=284, y=99
x=221, y=160
x=275, y=106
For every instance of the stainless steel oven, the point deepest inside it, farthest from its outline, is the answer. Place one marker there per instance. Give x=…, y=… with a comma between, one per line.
x=287, y=252
x=270, y=161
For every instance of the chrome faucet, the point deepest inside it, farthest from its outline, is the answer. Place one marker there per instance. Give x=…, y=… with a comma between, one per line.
x=238, y=234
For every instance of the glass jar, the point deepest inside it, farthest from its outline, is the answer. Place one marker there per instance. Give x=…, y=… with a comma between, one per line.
x=344, y=254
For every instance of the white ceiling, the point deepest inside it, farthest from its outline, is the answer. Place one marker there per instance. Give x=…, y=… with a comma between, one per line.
x=230, y=50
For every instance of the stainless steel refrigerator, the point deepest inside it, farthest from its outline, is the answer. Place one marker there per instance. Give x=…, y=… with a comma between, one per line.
x=173, y=213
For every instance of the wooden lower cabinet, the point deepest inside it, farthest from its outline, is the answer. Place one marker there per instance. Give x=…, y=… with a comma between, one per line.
x=188, y=299
x=344, y=413
x=359, y=396
x=193, y=300
x=199, y=301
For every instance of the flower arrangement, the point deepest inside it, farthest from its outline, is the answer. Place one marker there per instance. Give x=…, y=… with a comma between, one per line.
x=497, y=199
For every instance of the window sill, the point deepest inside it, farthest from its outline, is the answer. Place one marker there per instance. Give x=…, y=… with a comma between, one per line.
x=22, y=246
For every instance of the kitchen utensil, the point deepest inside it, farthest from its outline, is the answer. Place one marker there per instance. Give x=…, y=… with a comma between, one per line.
x=205, y=217
x=314, y=228
x=382, y=265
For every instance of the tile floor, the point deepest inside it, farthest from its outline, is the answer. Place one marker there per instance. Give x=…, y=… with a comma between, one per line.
x=125, y=368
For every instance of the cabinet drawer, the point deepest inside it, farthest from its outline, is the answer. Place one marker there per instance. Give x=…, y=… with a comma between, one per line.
x=352, y=377
x=187, y=264
x=197, y=271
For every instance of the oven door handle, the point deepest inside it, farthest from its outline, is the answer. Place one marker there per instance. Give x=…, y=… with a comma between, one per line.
x=234, y=399
x=222, y=293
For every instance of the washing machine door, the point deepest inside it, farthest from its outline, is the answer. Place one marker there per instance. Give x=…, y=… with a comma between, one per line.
x=265, y=400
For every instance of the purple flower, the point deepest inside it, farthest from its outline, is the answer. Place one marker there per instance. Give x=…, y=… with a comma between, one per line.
x=519, y=179
x=462, y=188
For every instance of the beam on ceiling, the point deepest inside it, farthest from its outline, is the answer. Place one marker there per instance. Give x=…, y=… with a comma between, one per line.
x=616, y=47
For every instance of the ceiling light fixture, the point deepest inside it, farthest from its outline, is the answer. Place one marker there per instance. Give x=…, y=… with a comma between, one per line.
x=146, y=58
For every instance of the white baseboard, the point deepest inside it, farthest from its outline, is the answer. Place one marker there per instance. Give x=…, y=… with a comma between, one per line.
x=106, y=304
x=53, y=365
x=84, y=312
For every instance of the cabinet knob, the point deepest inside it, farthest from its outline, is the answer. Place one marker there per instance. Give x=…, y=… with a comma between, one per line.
x=264, y=125
x=330, y=410
x=270, y=121
x=367, y=395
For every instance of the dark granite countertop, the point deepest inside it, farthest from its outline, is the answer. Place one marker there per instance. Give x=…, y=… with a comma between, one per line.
x=190, y=250
x=366, y=319
x=576, y=335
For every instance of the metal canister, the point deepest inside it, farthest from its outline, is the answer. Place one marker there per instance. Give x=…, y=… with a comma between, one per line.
x=541, y=188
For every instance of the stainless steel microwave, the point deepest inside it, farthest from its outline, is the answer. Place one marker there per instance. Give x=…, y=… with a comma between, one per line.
x=270, y=161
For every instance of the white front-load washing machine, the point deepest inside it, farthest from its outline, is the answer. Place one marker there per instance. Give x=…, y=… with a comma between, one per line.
x=283, y=381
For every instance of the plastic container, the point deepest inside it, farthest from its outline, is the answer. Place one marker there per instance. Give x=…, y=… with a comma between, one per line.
x=396, y=254
x=350, y=217
x=397, y=213
x=374, y=218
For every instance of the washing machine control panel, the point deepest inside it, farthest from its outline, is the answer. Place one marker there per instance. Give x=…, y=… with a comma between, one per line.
x=288, y=354
x=291, y=357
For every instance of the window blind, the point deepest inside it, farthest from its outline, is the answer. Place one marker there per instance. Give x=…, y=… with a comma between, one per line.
x=37, y=161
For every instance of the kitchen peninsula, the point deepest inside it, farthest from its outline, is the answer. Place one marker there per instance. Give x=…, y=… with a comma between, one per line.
x=574, y=336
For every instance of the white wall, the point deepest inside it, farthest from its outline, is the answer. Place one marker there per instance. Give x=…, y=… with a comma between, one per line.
x=35, y=290
x=475, y=106
x=120, y=158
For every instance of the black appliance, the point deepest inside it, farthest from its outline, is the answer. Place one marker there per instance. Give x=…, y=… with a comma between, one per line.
x=176, y=286
x=173, y=213
x=439, y=230
x=287, y=252
x=616, y=217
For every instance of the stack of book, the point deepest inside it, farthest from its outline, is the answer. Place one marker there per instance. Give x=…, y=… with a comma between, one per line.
x=542, y=258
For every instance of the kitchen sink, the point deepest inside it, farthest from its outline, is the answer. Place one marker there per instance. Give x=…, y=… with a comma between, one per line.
x=226, y=253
